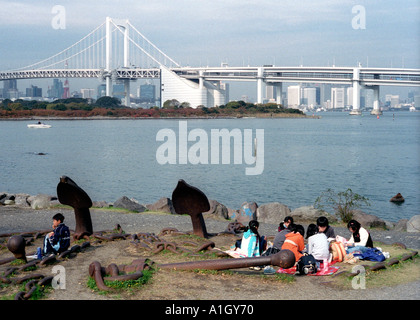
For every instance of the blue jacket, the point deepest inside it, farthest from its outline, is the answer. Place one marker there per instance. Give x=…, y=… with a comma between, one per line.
x=60, y=241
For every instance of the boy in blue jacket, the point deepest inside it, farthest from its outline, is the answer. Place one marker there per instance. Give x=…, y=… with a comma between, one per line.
x=59, y=240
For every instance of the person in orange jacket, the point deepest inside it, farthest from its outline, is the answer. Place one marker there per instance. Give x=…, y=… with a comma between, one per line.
x=294, y=240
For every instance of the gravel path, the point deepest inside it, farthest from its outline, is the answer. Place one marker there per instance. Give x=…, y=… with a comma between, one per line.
x=21, y=220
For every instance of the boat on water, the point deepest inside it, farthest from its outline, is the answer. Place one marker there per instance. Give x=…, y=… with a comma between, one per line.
x=39, y=125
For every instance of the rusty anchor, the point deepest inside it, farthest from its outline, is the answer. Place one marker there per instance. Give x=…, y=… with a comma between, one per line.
x=69, y=193
x=284, y=259
x=189, y=200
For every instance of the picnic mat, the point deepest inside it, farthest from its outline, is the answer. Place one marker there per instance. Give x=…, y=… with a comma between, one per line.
x=321, y=272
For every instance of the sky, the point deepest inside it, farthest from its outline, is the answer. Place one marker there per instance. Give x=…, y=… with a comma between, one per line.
x=208, y=32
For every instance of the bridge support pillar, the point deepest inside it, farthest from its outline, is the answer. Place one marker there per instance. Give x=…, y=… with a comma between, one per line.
x=279, y=92
x=108, y=56
x=127, y=93
x=356, y=93
x=260, y=75
x=376, y=110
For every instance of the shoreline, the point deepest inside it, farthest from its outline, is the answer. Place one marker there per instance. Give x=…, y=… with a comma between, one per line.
x=277, y=116
x=19, y=220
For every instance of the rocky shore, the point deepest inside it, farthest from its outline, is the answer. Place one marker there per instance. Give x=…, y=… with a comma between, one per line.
x=22, y=211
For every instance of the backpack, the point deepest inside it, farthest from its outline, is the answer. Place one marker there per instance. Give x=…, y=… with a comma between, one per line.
x=306, y=265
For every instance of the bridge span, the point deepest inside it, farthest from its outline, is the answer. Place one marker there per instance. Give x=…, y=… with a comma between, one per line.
x=116, y=50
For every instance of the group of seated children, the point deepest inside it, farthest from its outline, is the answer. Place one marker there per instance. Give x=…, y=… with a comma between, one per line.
x=291, y=236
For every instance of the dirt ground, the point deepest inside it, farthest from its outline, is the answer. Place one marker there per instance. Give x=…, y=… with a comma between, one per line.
x=237, y=284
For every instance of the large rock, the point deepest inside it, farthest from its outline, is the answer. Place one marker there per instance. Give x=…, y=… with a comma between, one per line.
x=21, y=200
x=401, y=225
x=217, y=209
x=273, y=212
x=41, y=201
x=368, y=220
x=129, y=204
x=310, y=214
x=246, y=213
x=398, y=198
x=413, y=225
x=6, y=198
x=162, y=205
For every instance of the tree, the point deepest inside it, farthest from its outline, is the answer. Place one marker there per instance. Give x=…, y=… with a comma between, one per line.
x=344, y=203
x=108, y=102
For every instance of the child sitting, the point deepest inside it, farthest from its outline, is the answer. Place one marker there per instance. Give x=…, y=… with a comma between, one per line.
x=294, y=240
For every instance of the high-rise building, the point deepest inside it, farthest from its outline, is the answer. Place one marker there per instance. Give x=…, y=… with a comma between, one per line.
x=101, y=91
x=337, y=98
x=10, y=90
x=294, y=96
x=34, y=92
x=57, y=90
x=350, y=96
x=309, y=97
x=147, y=92
x=87, y=93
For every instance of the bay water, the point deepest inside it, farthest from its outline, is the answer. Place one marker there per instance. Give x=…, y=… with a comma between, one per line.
x=375, y=157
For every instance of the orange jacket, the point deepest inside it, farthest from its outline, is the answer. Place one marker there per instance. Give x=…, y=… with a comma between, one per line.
x=295, y=243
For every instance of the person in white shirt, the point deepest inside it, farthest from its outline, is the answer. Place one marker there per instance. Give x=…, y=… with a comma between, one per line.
x=318, y=244
x=360, y=237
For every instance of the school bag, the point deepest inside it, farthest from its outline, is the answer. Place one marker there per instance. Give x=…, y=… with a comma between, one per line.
x=306, y=265
x=338, y=251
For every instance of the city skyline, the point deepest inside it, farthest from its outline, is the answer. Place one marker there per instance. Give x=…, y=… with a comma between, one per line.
x=239, y=33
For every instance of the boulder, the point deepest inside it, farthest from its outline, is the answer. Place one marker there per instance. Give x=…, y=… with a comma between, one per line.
x=217, y=209
x=162, y=205
x=246, y=213
x=129, y=204
x=401, y=225
x=273, y=212
x=21, y=200
x=413, y=225
x=310, y=214
x=100, y=204
x=368, y=220
x=40, y=201
x=232, y=213
x=398, y=198
x=5, y=198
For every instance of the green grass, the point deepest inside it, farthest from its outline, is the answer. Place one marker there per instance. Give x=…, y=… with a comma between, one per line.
x=119, y=286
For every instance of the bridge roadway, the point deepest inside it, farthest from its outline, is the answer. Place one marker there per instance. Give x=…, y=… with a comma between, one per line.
x=338, y=75
x=357, y=77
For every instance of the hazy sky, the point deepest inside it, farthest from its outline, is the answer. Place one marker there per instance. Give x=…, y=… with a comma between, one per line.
x=246, y=32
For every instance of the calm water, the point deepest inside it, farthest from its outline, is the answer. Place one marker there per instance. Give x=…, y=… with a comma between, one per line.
x=303, y=157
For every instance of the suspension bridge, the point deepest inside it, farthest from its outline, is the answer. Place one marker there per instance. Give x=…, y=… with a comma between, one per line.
x=117, y=51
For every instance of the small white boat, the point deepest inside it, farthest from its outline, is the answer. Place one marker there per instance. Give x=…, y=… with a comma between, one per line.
x=39, y=125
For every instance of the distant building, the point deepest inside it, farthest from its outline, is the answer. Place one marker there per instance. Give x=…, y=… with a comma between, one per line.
x=337, y=98
x=294, y=96
x=10, y=90
x=309, y=97
x=101, y=91
x=349, y=96
x=87, y=93
x=392, y=101
x=147, y=92
x=57, y=90
x=34, y=92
